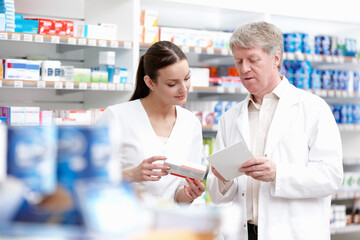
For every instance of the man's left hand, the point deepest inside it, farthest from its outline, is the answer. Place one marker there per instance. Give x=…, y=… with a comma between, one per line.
x=261, y=169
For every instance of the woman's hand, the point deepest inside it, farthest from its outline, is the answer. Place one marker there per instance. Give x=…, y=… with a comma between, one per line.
x=190, y=192
x=147, y=170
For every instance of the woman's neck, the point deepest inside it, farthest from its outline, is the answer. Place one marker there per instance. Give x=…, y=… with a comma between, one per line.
x=156, y=108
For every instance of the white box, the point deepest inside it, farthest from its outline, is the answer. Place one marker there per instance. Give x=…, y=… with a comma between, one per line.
x=186, y=169
x=107, y=58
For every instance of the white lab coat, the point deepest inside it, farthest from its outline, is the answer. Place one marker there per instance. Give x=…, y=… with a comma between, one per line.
x=304, y=142
x=138, y=141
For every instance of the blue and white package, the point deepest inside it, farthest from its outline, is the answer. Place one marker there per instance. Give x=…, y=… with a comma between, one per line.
x=218, y=111
x=32, y=157
x=316, y=79
x=350, y=116
x=305, y=43
x=343, y=114
x=325, y=79
x=297, y=42
x=84, y=152
x=356, y=81
x=335, y=84
x=356, y=114
x=336, y=113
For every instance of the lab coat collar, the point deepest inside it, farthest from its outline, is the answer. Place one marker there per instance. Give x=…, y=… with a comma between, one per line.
x=283, y=116
x=286, y=111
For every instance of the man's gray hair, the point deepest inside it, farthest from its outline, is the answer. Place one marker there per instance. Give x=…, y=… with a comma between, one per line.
x=259, y=34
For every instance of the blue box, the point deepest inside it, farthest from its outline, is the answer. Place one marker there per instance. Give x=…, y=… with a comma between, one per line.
x=32, y=157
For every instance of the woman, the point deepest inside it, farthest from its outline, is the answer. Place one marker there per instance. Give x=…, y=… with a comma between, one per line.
x=153, y=128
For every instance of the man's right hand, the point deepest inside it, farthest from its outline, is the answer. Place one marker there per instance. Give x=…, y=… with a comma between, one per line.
x=218, y=175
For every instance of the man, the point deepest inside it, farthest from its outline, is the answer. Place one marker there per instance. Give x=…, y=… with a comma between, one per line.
x=285, y=192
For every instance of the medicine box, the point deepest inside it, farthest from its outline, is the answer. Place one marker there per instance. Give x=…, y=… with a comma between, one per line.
x=186, y=169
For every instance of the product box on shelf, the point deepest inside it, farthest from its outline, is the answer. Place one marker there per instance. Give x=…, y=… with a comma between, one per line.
x=15, y=68
x=149, y=34
x=99, y=76
x=149, y=18
x=50, y=70
x=32, y=157
x=21, y=116
x=82, y=74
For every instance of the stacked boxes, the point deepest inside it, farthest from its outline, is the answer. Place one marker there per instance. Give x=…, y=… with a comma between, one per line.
x=7, y=7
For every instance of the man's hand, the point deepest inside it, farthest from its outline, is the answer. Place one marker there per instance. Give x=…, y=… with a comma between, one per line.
x=261, y=169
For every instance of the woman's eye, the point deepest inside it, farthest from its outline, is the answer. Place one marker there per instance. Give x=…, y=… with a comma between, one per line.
x=171, y=85
x=187, y=78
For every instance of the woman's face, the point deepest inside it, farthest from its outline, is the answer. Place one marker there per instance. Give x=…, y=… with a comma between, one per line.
x=173, y=83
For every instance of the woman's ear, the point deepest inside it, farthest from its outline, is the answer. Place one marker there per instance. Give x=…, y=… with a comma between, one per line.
x=149, y=82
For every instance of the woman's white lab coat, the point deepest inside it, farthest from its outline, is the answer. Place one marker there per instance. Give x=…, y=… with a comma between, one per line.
x=304, y=142
x=138, y=141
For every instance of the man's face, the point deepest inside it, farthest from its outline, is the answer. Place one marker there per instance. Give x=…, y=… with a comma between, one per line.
x=257, y=69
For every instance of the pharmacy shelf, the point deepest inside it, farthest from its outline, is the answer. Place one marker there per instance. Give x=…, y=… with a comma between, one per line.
x=218, y=90
x=349, y=127
x=345, y=194
x=65, y=40
x=196, y=50
x=346, y=229
x=320, y=58
x=58, y=85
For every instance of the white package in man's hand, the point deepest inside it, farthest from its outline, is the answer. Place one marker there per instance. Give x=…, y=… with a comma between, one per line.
x=228, y=160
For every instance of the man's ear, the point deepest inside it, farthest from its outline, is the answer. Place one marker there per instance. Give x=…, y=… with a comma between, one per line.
x=277, y=59
x=149, y=82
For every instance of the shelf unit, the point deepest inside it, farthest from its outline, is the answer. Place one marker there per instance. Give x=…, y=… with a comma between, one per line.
x=201, y=14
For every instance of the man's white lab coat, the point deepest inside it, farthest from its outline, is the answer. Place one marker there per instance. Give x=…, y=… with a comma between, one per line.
x=304, y=142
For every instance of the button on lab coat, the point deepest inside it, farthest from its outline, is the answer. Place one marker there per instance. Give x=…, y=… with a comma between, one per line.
x=304, y=142
x=138, y=141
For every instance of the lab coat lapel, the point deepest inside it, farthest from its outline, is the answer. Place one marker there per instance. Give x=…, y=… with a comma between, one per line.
x=286, y=111
x=243, y=122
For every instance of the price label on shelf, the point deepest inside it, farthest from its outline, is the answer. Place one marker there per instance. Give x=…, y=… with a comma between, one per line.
x=114, y=44
x=120, y=87
x=210, y=51
x=341, y=59
x=345, y=94
x=102, y=43
x=224, y=51
x=41, y=84
x=331, y=93
x=15, y=36
x=111, y=87
x=185, y=49
x=28, y=37
x=300, y=56
x=82, y=41
x=309, y=57
x=39, y=38
x=3, y=36
x=128, y=87
x=232, y=90
x=72, y=41
x=55, y=39
x=338, y=93
x=83, y=85
x=94, y=86
x=328, y=59
x=58, y=85
x=220, y=89
x=69, y=85
x=0, y=83
x=18, y=84
x=290, y=56
x=198, y=50
x=92, y=42
x=103, y=86
x=354, y=60
x=127, y=45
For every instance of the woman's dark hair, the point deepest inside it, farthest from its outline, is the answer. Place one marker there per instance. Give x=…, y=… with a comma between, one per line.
x=161, y=54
